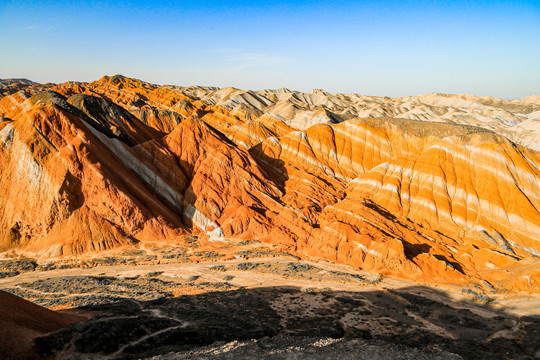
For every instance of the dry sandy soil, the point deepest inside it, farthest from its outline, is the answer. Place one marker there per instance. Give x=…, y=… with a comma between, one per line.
x=277, y=308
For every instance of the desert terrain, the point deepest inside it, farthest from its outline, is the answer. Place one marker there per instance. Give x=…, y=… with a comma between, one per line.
x=273, y=307
x=140, y=220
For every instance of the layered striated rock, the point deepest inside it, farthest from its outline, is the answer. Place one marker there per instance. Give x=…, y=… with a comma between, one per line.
x=95, y=177
x=67, y=187
x=428, y=193
x=428, y=188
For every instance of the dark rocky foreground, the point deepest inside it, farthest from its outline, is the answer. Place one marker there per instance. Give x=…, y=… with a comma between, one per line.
x=285, y=347
x=285, y=323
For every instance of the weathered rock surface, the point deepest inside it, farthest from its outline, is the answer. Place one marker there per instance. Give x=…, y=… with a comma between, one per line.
x=436, y=188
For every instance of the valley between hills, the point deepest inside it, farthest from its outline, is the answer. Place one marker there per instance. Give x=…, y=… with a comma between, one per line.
x=156, y=221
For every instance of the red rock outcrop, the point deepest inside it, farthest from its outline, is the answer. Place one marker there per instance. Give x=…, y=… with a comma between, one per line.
x=21, y=321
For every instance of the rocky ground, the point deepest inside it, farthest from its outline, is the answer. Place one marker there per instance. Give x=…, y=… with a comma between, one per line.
x=277, y=308
x=300, y=347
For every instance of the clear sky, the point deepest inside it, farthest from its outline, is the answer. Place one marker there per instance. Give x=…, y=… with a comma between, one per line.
x=392, y=48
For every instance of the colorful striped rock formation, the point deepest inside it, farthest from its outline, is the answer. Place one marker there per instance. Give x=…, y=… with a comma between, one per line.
x=433, y=188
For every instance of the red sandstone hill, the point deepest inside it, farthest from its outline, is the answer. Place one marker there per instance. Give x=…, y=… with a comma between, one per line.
x=438, y=188
x=21, y=321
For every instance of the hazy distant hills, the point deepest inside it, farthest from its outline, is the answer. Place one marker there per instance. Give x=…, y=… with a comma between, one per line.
x=13, y=81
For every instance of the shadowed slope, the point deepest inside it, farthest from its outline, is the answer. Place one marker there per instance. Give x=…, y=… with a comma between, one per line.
x=21, y=321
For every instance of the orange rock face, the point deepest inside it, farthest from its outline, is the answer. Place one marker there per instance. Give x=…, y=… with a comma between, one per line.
x=402, y=187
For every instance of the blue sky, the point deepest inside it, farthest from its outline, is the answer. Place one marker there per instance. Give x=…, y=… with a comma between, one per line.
x=392, y=48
